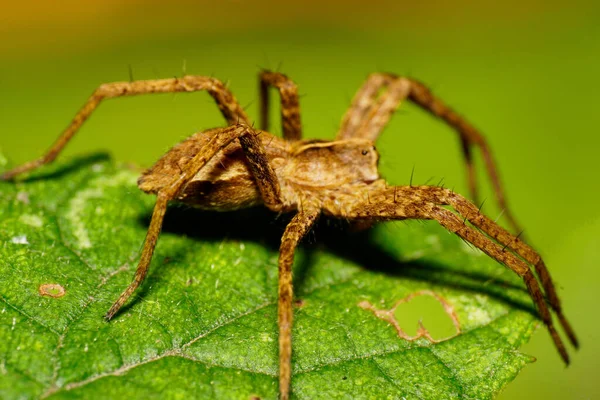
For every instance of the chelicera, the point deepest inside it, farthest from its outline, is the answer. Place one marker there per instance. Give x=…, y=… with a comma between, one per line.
x=237, y=166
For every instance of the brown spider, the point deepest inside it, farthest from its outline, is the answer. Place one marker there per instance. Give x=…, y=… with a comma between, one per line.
x=236, y=166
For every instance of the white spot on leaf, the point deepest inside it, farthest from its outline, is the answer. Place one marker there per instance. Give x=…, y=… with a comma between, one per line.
x=23, y=197
x=479, y=317
x=415, y=255
x=31, y=220
x=265, y=337
x=81, y=199
x=434, y=242
x=97, y=167
x=477, y=313
x=22, y=239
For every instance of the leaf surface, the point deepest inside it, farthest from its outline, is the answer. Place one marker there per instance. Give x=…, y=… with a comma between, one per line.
x=204, y=323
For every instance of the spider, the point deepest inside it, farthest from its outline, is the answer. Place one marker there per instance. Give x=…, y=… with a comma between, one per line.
x=237, y=166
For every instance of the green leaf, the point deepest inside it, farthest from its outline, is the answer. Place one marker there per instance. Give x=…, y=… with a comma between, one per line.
x=204, y=323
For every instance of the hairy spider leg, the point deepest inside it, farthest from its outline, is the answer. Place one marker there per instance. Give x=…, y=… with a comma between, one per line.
x=226, y=102
x=362, y=103
x=505, y=238
x=290, y=104
x=269, y=189
x=426, y=202
x=298, y=227
x=374, y=104
x=468, y=210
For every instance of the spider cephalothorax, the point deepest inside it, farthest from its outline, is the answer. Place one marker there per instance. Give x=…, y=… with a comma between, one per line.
x=237, y=166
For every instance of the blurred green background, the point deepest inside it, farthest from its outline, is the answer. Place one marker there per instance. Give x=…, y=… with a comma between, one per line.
x=525, y=72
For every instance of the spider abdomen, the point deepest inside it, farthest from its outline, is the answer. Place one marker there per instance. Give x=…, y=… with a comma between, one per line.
x=224, y=184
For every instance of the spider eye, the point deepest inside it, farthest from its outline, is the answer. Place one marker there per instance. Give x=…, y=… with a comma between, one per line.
x=365, y=152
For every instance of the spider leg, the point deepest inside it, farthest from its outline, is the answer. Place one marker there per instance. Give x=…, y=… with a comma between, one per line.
x=471, y=213
x=363, y=102
x=379, y=97
x=228, y=105
x=426, y=202
x=454, y=224
x=489, y=227
x=290, y=104
x=294, y=232
x=222, y=137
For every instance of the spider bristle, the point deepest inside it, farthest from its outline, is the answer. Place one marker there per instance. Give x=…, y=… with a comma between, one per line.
x=499, y=216
x=248, y=105
x=130, y=67
x=469, y=244
x=482, y=203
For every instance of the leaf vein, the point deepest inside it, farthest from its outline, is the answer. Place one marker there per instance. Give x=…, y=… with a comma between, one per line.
x=30, y=317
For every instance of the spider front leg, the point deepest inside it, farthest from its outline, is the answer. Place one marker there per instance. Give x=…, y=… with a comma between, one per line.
x=266, y=180
x=381, y=95
x=514, y=243
x=290, y=104
x=228, y=105
x=426, y=202
x=294, y=232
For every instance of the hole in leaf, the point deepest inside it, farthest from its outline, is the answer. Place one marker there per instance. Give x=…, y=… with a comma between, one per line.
x=391, y=316
x=430, y=312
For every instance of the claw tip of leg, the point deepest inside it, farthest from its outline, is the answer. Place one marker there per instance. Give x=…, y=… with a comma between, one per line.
x=565, y=358
x=108, y=316
x=574, y=342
